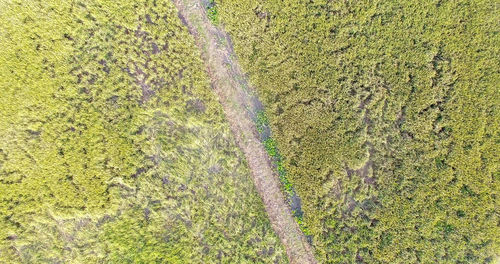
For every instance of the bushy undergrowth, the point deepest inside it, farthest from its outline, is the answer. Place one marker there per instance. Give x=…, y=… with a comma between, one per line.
x=386, y=116
x=112, y=147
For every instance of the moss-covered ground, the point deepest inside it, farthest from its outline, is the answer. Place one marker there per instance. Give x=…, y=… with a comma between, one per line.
x=386, y=117
x=113, y=149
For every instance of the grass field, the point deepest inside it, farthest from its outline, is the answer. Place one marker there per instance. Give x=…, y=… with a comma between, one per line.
x=113, y=149
x=386, y=117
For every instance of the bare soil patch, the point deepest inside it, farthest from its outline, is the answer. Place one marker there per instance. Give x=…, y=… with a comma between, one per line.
x=240, y=105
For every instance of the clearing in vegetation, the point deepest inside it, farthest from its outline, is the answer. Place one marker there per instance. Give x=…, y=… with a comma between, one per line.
x=386, y=114
x=113, y=148
x=241, y=107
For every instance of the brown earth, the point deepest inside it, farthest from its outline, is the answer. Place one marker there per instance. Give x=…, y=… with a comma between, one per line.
x=240, y=104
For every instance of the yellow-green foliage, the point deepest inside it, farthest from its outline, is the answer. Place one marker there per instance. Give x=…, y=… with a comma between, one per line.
x=386, y=115
x=113, y=149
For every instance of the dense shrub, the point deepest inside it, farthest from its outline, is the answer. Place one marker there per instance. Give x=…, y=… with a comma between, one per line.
x=386, y=115
x=113, y=149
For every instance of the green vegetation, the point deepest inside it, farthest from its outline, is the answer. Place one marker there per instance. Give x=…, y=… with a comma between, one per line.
x=386, y=116
x=262, y=123
x=113, y=148
x=212, y=12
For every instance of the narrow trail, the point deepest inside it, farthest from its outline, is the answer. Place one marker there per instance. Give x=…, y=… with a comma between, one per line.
x=240, y=106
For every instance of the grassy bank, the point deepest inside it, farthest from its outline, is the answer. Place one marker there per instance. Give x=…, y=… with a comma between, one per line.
x=113, y=149
x=386, y=116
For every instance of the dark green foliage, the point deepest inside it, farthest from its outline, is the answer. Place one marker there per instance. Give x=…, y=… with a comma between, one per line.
x=212, y=12
x=386, y=116
x=113, y=148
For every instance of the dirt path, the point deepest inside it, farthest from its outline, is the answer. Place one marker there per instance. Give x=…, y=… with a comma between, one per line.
x=240, y=106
